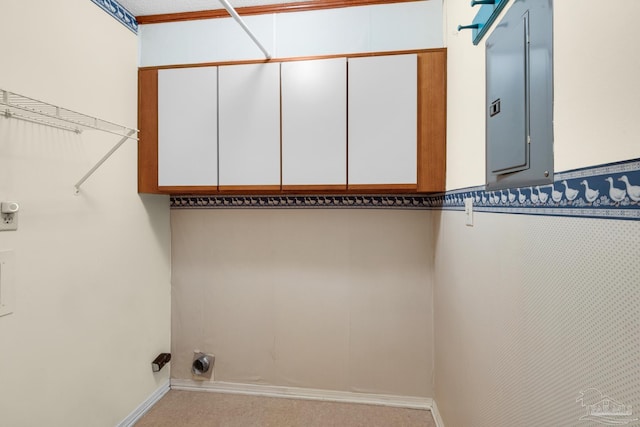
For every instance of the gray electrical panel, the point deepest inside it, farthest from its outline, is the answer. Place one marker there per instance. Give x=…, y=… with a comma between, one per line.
x=519, y=110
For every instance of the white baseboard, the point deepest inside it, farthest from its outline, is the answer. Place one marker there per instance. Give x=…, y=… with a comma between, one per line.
x=436, y=414
x=411, y=402
x=142, y=409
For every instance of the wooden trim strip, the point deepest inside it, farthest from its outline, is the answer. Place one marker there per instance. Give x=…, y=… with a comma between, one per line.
x=386, y=188
x=298, y=58
x=261, y=10
x=148, y=125
x=249, y=189
x=314, y=188
x=292, y=190
x=188, y=189
x=432, y=118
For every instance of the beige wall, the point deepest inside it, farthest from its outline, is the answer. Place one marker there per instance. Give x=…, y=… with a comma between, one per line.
x=529, y=310
x=92, y=271
x=325, y=299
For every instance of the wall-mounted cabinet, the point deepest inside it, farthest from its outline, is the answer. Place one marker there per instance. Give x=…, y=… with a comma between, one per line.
x=383, y=121
x=359, y=123
x=314, y=124
x=188, y=127
x=249, y=114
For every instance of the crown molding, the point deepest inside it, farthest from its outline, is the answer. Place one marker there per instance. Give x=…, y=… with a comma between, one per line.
x=260, y=10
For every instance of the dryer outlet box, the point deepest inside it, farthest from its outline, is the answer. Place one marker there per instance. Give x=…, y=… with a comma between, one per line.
x=202, y=366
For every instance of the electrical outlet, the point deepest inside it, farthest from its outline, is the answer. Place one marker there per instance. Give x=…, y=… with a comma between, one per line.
x=9, y=221
x=468, y=211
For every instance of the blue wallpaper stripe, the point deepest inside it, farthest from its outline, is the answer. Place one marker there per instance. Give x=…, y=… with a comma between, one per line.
x=605, y=191
x=115, y=9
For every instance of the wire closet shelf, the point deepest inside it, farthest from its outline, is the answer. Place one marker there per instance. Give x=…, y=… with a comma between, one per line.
x=35, y=111
x=25, y=108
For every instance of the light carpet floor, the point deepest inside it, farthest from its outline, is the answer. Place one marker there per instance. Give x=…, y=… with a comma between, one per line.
x=187, y=408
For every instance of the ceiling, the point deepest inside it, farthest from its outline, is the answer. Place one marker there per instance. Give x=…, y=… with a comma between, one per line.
x=159, y=7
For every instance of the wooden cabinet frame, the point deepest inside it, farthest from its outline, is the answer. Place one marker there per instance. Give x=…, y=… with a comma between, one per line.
x=431, y=143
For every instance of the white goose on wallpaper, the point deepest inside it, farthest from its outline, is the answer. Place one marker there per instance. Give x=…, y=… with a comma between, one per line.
x=521, y=197
x=512, y=196
x=492, y=198
x=543, y=196
x=503, y=197
x=589, y=194
x=570, y=193
x=616, y=194
x=556, y=195
x=534, y=196
x=632, y=190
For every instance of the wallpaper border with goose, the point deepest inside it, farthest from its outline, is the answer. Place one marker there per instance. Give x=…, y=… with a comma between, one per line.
x=605, y=191
x=122, y=15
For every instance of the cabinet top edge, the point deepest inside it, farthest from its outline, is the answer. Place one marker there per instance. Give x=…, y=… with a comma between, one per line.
x=298, y=58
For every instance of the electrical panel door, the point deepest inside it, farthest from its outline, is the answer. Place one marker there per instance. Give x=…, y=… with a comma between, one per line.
x=507, y=83
x=519, y=97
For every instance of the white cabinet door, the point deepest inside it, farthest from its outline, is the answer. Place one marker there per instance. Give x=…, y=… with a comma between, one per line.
x=188, y=127
x=249, y=141
x=314, y=122
x=383, y=120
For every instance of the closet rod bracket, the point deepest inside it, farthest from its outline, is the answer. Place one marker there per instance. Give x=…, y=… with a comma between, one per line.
x=102, y=160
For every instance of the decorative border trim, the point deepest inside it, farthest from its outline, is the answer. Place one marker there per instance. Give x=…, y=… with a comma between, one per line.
x=144, y=407
x=609, y=191
x=115, y=9
x=345, y=201
x=409, y=402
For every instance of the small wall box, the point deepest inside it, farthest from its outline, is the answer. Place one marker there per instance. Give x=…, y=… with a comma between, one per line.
x=519, y=103
x=160, y=361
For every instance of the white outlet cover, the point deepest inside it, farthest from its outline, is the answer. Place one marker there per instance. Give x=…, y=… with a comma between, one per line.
x=7, y=282
x=8, y=221
x=468, y=211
